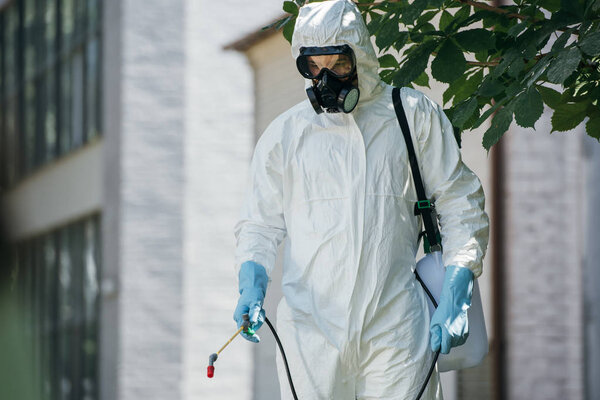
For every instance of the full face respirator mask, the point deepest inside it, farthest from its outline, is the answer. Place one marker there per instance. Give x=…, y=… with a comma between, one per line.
x=333, y=72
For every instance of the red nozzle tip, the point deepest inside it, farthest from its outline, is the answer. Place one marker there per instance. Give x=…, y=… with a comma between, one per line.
x=211, y=371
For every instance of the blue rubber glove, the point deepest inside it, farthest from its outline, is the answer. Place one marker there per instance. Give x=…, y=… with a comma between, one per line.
x=449, y=325
x=253, y=287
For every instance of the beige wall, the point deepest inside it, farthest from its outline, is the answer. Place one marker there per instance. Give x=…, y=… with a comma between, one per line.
x=57, y=193
x=277, y=83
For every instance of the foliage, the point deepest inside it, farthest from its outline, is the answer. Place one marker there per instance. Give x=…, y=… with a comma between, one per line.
x=504, y=62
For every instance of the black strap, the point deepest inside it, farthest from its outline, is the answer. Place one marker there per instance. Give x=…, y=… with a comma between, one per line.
x=423, y=206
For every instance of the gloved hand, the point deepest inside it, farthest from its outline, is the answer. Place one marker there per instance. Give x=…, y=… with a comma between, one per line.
x=253, y=286
x=449, y=325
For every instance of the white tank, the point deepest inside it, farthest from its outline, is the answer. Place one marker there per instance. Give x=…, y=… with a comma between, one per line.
x=431, y=270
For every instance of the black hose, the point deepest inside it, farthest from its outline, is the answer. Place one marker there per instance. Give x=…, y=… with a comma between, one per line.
x=437, y=353
x=431, y=368
x=287, y=368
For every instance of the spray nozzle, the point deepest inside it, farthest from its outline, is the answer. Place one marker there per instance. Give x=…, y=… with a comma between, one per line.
x=211, y=369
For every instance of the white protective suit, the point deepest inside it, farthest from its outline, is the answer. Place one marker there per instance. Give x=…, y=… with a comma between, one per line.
x=354, y=321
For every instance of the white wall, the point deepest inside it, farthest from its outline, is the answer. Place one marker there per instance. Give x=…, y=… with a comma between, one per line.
x=219, y=143
x=141, y=328
x=591, y=272
x=544, y=293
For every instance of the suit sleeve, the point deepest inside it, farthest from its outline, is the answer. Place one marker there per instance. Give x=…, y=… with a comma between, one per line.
x=456, y=190
x=261, y=226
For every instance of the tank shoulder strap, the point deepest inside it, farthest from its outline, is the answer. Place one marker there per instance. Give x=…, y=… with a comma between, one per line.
x=423, y=206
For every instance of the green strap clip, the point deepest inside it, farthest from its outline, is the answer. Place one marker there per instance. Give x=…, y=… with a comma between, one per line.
x=421, y=205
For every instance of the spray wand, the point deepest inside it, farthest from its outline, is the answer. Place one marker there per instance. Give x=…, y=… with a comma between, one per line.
x=213, y=357
x=246, y=328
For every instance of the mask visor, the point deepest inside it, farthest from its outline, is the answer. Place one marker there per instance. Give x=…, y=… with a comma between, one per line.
x=339, y=61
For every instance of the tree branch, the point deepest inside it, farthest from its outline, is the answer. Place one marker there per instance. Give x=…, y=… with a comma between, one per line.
x=483, y=64
x=374, y=4
x=497, y=10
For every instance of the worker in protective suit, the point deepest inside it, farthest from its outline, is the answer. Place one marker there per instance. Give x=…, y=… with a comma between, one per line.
x=331, y=174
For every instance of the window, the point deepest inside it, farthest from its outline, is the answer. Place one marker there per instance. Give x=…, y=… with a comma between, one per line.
x=57, y=279
x=50, y=82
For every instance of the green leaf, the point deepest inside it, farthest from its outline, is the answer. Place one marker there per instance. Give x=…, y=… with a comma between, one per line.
x=591, y=44
x=415, y=64
x=388, y=34
x=290, y=7
x=563, y=65
x=469, y=87
x=412, y=12
x=428, y=28
x=593, y=128
x=488, y=112
x=538, y=69
x=388, y=61
x=401, y=40
x=288, y=29
x=426, y=17
x=550, y=96
x=445, y=20
x=513, y=89
x=422, y=80
x=515, y=68
x=573, y=7
x=490, y=87
x=472, y=119
x=416, y=36
x=516, y=29
x=528, y=108
x=490, y=19
x=571, y=79
x=436, y=3
x=475, y=40
x=550, y=5
x=559, y=44
x=463, y=87
x=568, y=116
x=500, y=125
x=464, y=111
x=386, y=75
x=452, y=88
x=482, y=56
x=375, y=23
x=510, y=56
x=449, y=64
x=562, y=19
x=462, y=14
x=541, y=36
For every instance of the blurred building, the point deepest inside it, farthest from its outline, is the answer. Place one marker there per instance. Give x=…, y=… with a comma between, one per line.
x=50, y=158
x=126, y=129
x=125, y=135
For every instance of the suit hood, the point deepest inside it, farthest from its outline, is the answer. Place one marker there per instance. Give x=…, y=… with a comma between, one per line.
x=334, y=23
